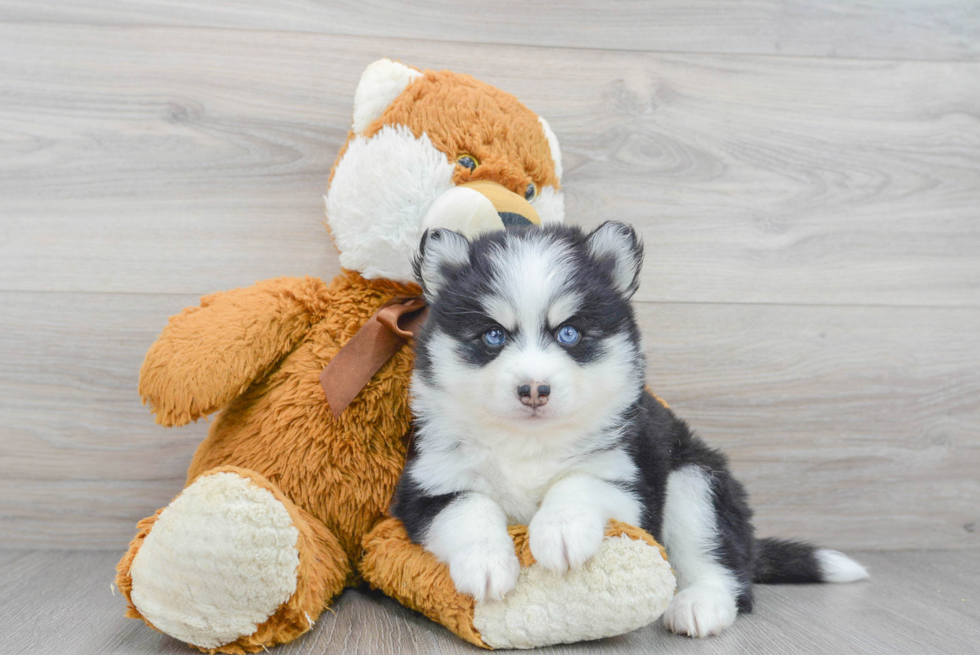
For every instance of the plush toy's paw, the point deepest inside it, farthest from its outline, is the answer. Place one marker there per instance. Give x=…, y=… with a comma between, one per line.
x=701, y=611
x=231, y=565
x=219, y=561
x=565, y=537
x=485, y=571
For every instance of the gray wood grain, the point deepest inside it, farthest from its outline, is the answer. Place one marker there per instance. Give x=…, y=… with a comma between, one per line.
x=909, y=29
x=916, y=602
x=80, y=458
x=188, y=160
x=853, y=426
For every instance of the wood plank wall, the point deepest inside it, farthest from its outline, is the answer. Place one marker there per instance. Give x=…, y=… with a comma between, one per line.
x=806, y=176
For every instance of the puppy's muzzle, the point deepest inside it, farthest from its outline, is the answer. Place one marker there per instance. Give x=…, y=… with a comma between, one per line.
x=534, y=394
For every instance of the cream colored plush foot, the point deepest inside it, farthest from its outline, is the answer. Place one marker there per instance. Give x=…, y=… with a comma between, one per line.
x=626, y=586
x=219, y=561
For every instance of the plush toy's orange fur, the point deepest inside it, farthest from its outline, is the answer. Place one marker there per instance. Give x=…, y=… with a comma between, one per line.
x=256, y=353
x=502, y=134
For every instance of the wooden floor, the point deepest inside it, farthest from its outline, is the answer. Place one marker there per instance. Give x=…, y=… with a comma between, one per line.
x=916, y=603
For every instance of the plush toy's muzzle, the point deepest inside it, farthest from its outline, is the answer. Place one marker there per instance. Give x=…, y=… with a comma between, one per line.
x=479, y=206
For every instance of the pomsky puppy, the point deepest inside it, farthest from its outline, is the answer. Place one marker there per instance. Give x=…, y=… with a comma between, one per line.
x=530, y=407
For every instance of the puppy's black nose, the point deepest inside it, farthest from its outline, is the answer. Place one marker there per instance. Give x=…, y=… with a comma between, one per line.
x=534, y=395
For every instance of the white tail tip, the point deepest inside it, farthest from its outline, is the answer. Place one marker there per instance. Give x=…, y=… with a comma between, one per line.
x=835, y=566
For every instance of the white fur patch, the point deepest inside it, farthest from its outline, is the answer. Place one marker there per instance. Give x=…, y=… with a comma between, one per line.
x=564, y=307
x=553, y=146
x=381, y=82
x=470, y=535
x=626, y=586
x=701, y=610
x=706, y=602
x=550, y=205
x=219, y=561
x=529, y=276
x=835, y=566
x=381, y=189
x=568, y=528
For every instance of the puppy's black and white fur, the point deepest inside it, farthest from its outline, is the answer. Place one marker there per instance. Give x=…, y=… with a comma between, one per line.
x=530, y=407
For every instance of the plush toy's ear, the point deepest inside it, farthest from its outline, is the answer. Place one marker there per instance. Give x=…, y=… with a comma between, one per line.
x=439, y=251
x=380, y=84
x=553, y=145
x=617, y=247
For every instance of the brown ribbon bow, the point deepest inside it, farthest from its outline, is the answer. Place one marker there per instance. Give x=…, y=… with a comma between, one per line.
x=375, y=343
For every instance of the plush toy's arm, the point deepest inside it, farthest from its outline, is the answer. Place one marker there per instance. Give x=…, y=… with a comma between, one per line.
x=210, y=354
x=628, y=584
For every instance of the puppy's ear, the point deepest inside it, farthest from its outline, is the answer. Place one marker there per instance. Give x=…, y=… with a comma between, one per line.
x=619, y=250
x=440, y=251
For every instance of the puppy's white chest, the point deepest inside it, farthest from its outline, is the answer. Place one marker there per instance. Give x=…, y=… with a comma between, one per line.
x=519, y=484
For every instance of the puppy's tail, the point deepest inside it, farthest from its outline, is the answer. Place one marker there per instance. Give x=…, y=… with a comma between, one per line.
x=778, y=560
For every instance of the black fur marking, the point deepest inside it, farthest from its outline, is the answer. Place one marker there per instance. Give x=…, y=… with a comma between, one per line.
x=416, y=509
x=736, y=548
x=475, y=351
x=778, y=560
x=423, y=364
x=665, y=443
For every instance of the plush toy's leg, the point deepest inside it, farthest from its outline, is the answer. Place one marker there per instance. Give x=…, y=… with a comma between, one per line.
x=231, y=565
x=627, y=585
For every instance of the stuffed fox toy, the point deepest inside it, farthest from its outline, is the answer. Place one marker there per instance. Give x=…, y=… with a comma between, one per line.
x=285, y=502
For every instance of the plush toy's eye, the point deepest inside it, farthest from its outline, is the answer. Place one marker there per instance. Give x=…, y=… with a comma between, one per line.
x=567, y=335
x=494, y=337
x=467, y=161
x=530, y=192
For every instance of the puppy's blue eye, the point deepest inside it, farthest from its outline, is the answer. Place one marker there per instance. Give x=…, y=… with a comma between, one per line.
x=494, y=337
x=567, y=335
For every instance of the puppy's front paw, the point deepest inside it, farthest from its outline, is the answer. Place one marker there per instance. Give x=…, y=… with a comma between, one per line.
x=565, y=537
x=700, y=611
x=485, y=571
